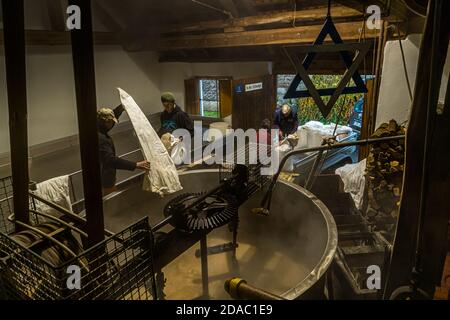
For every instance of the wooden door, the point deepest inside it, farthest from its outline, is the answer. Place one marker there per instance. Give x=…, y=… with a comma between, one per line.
x=226, y=97
x=191, y=96
x=253, y=101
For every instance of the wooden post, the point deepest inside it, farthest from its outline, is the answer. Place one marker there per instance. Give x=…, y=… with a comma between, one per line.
x=14, y=38
x=83, y=65
x=426, y=150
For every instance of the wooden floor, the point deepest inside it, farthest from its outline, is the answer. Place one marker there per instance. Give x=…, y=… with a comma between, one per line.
x=443, y=292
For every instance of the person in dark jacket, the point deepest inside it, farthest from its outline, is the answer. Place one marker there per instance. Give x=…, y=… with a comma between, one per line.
x=173, y=117
x=286, y=120
x=109, y=162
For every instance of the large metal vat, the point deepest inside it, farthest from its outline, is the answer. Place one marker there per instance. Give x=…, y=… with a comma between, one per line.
x=286, y=253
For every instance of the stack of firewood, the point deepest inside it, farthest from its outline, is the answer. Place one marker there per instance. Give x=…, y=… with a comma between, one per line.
x=385, y=166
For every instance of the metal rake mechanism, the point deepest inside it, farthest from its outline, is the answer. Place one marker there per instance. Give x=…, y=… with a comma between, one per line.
x=191, y=215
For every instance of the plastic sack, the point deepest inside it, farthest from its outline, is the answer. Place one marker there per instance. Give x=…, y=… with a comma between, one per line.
x=354, y=178
x=55, y=190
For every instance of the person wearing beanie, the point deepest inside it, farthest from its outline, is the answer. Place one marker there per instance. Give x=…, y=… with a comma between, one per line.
x=109, y=162
x=173, y=117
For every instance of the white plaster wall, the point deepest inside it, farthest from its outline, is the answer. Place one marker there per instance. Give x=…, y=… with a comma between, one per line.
x=394, y=102
x=51, y=89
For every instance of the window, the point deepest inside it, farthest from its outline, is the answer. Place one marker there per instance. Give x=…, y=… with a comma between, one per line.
x=306, y=107
x=209, y=98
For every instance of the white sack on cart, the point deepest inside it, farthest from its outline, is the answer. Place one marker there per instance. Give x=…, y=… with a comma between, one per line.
x=55, y=190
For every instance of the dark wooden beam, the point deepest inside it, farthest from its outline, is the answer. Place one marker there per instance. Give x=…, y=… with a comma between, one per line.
x=424, y=207
x=14, y=35
x=298, y=35
x=54, y=38
x=84, y=71
x=57, y=13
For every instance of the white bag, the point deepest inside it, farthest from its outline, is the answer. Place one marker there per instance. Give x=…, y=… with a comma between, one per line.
x=55, y=190
x=163, y=176
x=354, y=178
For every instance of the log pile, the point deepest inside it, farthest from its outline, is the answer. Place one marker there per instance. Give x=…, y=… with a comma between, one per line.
x=385, y=166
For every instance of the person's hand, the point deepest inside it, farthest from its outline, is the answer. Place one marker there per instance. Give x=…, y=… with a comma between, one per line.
x=143, y=165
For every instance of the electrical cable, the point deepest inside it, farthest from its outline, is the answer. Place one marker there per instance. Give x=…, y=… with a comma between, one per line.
x=294, y=14
x=404, y=63
x=228, y=13
x=413, y=11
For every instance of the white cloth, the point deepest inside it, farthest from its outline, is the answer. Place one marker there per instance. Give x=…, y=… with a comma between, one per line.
x=354, y=178
x=284, y=149
x=312, y=133
x=55, y=190
x=163, y=176
x=179, y=152
x=175, y=147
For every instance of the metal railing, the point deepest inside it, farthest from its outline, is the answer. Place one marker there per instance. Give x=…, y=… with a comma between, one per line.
x=266, y=201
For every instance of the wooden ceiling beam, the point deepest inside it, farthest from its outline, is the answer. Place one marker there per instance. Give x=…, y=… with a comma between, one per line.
x=349, y=31
x=316, y=15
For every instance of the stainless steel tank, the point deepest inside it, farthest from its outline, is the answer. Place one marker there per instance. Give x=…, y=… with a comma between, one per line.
x=287, y=253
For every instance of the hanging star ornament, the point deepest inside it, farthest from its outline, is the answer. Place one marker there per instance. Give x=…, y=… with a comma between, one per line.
x=345, y=52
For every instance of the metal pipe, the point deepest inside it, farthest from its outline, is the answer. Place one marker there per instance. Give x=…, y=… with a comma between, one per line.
x=55, y=241
x=267, y=197
x=312, y=173
x=14, y=39
x=66, y=212
x=121, y=156
x=162, y=223
x=240, y=290
x=43, y=234
x=64, y=223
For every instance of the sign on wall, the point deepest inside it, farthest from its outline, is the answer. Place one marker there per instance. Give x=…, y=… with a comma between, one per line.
x=239, y=88
x=253, y=86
